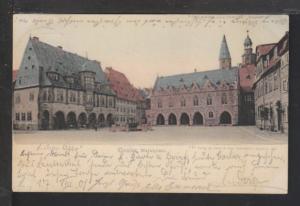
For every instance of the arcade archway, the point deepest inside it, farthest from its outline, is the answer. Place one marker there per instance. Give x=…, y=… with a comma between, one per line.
x=160, y=120
x=71, y=120
x=82, y=120
x=198, y=119
x=59, y=120
x=92, y=120
x=225, y=118
x=109, y=120
x=184, y=119
x=45, y=120
x=172, y=119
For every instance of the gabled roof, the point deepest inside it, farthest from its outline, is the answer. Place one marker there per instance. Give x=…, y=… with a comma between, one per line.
x=214, y=76
x=65, y=63
x=224, y=51
x=121, y=85
x=48, y=58
x=263, y=49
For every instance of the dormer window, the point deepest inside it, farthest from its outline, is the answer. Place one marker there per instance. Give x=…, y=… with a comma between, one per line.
x=53, y=76
x=70, y=80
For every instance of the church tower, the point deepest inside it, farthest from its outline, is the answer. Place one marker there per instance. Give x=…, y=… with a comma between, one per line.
x=248, y=57
x=224, y=57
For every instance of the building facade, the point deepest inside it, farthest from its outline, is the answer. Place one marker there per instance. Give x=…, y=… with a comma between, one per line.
x=56, y=89
x=129, y=102
x=246, y=80
x=198, y=98
x=271, y=85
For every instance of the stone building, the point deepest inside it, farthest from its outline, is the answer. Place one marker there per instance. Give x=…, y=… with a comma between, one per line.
x=271, y=85
x=56, y=89
x=246, y=80
x=198, y=98
x=129, y=102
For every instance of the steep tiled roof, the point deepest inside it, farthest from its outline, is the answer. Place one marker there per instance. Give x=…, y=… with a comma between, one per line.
x=247, y=77
x=65, y=63
x=55, y=59
x=230, y=76
x=264, y=49
x=224, y=51
x=121, y=85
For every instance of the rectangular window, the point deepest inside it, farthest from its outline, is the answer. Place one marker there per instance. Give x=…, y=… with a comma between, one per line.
x=31, y=97
x=89, y=82
x=29, y=118
x=159, y=104
x=110, y=103
x=23, y=116
x=285, y=85
x=18, y=116
x=60, y=96
x=209, y=100
x=18, y=99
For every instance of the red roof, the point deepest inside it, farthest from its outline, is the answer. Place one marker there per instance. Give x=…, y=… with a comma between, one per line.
x=247, y=77
x=121, y=85
x=264, y=49
x=14, y=75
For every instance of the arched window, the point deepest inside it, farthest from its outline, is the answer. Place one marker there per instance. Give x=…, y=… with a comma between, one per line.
x=209, y=100
x=224, y=98
x=210, y=114
x=196, y=101
x=182, y=102
x=171, y=104
x=159, y=103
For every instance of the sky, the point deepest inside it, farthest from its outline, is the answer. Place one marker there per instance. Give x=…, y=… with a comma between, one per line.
x=146, y=46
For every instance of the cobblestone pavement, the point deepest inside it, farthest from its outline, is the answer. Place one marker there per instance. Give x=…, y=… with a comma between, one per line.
x=159, y=135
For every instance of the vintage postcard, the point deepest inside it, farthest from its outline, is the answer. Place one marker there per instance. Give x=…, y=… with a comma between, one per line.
x=150, y=103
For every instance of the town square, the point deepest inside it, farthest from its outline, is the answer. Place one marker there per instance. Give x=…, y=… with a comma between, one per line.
x=58, y=91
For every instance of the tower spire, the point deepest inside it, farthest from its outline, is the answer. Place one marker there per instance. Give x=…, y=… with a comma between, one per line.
x=248, y=57
x=224, y=56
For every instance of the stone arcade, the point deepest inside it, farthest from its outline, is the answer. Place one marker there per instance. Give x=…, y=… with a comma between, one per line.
x=56, y=89
x=208, y=98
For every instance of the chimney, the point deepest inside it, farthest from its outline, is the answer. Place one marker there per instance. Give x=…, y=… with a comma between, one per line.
x=60, y=47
